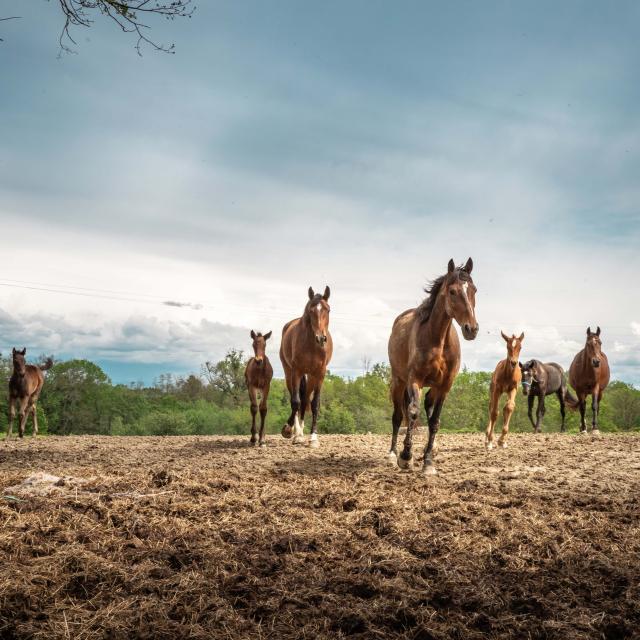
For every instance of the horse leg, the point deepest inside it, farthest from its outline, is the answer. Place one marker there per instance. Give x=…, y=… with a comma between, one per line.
x=413, y=411
x=12, y=415
x=583, y=408
x=287, y=429
x=34, y=418
x=530, y=400
x=254, y=410
x=595, y=407
x=315, y=387
x=304, y=400
x=397, y=396
x=22, y=415
x=494, y=398
x=540, y=413
x=263, y=414
x=507, y=412
x=428, y=408
x=434, y=424
x=294, y=419
x=560, y=393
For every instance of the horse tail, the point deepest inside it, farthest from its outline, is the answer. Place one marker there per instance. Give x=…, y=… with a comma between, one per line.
x=47, y=364
x=569, y=400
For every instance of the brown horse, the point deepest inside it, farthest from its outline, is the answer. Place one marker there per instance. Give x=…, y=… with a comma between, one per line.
x=505, y=379
x=258, y=376
x=424, y=351
x=305, y=352
x=25, y=386
x=589, y=375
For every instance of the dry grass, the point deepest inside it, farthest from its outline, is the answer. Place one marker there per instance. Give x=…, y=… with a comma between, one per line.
x=204, y=537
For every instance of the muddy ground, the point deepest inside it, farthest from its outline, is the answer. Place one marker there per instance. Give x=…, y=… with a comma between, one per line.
x=204, y=537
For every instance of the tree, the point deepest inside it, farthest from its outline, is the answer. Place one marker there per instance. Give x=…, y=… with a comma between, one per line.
x=129, y=15
x=227, y=376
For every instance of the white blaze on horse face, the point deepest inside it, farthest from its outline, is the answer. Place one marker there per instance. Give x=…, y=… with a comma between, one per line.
x=319, y=307
x=465, y=289
x=513, y=343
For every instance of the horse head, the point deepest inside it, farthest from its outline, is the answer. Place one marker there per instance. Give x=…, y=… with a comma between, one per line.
x=514, y=345
x=19, y=363
x=460, y=298
x=259, y=345
x=317, y=312
x=593, y=347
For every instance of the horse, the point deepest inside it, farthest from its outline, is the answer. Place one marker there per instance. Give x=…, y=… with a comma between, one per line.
x=589, y=375
x=258, y=375
x=505, y=379
x=540, y=379
x=305, y=352
x=25, y=386
x=424, y=351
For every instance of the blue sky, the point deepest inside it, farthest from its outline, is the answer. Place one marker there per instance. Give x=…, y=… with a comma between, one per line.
x=357, y=144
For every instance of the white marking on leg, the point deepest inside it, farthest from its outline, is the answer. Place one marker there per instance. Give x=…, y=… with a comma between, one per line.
x=314, y=436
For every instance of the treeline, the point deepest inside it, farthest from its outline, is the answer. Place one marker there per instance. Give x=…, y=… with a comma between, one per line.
x=79, y=398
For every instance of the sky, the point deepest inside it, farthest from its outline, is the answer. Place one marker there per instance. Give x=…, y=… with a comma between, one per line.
x=155, y=209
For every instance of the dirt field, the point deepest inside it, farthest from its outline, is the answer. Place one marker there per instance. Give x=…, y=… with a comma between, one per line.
x=204, y=537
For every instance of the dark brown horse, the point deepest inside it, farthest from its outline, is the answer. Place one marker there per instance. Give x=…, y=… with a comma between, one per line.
x=505, y=379
x=258, y=376
x=305, y=352
x=541, y=379
x=25, y=386
x=424, y=351
x=589, y=375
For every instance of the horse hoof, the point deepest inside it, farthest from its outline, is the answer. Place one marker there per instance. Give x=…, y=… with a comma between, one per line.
x=287, y=431
x=502, y=445
x=595, y=432
x=314, y=444
x=298, y=439
x=489, y=445
x=404, y=464
x=253, y=443
x=429, y=470
x=392, y=458
x=263, y=445
x=582, y=433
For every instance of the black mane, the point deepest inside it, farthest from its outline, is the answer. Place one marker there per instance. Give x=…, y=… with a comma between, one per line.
x=423, y=311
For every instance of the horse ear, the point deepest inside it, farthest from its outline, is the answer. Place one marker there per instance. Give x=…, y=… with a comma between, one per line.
x=267, y=335
x=24, y=351
x=327, y=293
x=451, y=266
x=15, y=351
x=520, y=365
x=253, y=334
x=598, y=331
x=521, y=338
x=505, y=338
x=589, y=331
x=311, y=294
x=469, y=266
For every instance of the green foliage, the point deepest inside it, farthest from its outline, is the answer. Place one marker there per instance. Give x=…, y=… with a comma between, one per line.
x=78, y=397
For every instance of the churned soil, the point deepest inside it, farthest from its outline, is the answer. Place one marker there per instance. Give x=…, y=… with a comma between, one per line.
x=206, y=537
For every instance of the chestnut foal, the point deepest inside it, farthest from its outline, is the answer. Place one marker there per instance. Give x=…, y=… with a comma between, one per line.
x=258, y=375
x=25, y=386
x=505, y=379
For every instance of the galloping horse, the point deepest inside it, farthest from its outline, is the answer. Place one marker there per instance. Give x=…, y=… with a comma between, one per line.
x=505, y=379
x=589, y=374
x=258, y=376
x=305, y=352
x=542, y=379
x=424, y=351
x=25, y=386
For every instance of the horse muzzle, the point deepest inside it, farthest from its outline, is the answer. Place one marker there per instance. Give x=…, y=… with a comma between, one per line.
x=321, y=339
x=259, y=360
x=595, y=362
x=469, y=332
x=513, y=363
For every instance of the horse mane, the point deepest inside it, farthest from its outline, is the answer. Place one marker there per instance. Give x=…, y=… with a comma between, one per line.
x=423, y=312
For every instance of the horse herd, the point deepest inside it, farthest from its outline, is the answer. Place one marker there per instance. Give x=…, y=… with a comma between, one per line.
x=424, y=351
